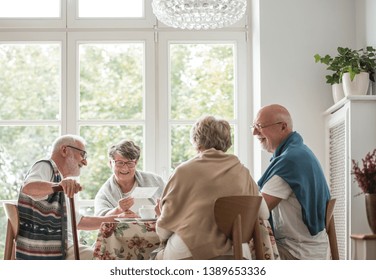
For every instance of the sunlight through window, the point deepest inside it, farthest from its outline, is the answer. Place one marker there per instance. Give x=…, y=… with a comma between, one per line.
x=29, y=9
x=111, y=8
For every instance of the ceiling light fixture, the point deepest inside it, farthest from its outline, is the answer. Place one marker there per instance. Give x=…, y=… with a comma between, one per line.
x=199, y=14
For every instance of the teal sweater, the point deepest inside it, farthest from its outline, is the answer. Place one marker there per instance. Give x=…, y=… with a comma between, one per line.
x=295, y=163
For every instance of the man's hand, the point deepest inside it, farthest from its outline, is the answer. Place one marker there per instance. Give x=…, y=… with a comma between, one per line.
x=70, y=187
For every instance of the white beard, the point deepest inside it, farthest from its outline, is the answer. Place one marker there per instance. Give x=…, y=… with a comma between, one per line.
x=72, y=166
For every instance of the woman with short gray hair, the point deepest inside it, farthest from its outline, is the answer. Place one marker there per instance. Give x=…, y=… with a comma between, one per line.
x=211, y=133
x=115, y=196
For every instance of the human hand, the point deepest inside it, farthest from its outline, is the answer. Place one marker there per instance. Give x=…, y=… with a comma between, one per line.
x=125, y=203
x=128, y=214
x=70, y=186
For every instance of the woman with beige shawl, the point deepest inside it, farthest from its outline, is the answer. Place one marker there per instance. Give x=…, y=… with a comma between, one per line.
x=186, y=223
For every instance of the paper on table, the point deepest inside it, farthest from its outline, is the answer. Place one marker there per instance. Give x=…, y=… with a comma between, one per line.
x=143, y=196
x=148, y=192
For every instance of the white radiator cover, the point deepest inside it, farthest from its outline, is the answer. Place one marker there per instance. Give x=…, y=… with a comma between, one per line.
x=350, y=134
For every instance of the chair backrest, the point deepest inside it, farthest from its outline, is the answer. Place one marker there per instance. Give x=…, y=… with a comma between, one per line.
x=237, y=218
x=331, y=229
x=11, y=213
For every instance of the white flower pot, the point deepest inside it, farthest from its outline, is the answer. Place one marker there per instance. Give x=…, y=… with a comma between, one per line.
x=358, y=86
x=337, y=91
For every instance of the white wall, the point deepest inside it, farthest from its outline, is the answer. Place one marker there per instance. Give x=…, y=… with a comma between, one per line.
x=365, y=23
x=291, y=33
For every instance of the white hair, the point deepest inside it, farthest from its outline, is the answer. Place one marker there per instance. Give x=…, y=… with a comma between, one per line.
x=67, y=139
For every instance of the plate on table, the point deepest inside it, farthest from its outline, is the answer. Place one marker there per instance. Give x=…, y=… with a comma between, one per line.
x=146, y=220
x=125, y=219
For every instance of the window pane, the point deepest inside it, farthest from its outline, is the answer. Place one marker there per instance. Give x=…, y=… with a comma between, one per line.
x=202, y=80
x=30, y=79
x=181, y=147
x=111, y=81
x=111, y=8
x=30, y=8
x=20, y=147
x=98, y=139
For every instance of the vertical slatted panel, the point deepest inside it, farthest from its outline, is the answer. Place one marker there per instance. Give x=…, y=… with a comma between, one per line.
x=337, y=175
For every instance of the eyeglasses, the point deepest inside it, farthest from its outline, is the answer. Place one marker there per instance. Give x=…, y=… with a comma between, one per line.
x=121, y=163
x=259, y=126
x=82, y=152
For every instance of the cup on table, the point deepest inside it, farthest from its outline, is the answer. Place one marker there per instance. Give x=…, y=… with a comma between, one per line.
x=147, y=212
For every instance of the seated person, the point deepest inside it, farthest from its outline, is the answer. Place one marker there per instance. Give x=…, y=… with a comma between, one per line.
x=45, y=219
x=115, y=195
x=293, y=186
x=186, y=222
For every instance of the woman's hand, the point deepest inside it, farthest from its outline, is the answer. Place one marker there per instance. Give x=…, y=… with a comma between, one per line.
x=128, y=214
x=125, y=203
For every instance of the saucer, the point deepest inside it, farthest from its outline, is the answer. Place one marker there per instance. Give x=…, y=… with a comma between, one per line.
x=146, y=220
x=125, y=219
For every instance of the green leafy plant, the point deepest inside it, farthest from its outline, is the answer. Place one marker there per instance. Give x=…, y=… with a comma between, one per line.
x=365, y=175
x=334, y=64
x=349, y=61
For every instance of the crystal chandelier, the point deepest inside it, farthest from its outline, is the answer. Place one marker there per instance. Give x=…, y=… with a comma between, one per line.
x=199, y=14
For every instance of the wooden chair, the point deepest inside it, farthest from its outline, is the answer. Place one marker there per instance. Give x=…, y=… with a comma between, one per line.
x=11, y=213
x=237, y=218
x=331, y=229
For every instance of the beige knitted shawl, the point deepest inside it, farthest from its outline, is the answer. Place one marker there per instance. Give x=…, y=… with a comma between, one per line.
x=187, y=205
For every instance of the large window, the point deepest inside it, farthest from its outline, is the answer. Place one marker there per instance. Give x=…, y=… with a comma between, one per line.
x=111, y=101
x=201, y=79
x=109, y=75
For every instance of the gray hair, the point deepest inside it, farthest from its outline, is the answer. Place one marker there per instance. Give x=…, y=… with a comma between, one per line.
x=68, y=139
x=127, y=149
x=210, y=132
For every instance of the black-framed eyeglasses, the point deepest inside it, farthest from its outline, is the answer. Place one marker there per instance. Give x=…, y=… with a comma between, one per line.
x=82, y=152
x=259, y=126
x=121, y=163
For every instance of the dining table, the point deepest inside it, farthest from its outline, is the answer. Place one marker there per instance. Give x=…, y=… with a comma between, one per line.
x=136, y=239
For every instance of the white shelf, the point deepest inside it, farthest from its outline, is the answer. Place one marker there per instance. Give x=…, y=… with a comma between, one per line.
x=346, y=99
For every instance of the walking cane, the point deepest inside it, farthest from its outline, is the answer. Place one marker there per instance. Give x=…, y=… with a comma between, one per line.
x=74, y=228
x=59, y=188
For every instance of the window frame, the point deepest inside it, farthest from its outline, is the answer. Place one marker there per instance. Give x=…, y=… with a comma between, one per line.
x=27, y=23
x=157, y=123
x=73, y=21
x=42, y=37
x=241, y=101
x=73, y=122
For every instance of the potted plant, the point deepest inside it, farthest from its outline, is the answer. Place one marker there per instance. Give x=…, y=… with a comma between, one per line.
x=334, y=79
x=358, y=69
x=365, y=176
x=354, y=67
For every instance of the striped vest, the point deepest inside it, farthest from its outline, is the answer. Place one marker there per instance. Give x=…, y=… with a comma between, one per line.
x=43, y=225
